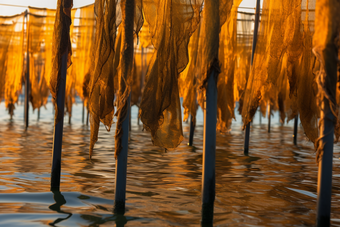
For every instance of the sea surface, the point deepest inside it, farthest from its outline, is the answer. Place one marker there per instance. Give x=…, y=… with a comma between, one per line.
x=274, y=186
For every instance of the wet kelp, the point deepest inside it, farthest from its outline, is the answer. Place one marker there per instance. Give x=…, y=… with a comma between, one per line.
x=129, y=28
x=325, y=48
x=243, y=56
x=101, y=87
x=225, y=82
x=70, y=91
x=40, y=33
x=209, y=47
x=187, y=81
x=84, y=39
x=104, y=77
x=283, y=56
x=171, y=23
x=61, y=46
x=11, y=59
x=284, y=70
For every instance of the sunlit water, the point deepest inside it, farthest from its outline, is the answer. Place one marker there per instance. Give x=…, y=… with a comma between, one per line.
x=274, y=186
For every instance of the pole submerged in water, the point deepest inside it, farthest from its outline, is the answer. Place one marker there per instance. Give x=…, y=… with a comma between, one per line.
x=38, y=118
x=246, y=140
x=192, y=131
x=121, y=168
x=58, y=128
x=209, y=151
x=69, y=116
x=87, y=115
x=82, y=114
x=256, y=28
x=325, y=166
x=296, y=120
x=211, y=30
x=27, y=82
x=325, y=48
x=269, y=116
x=126, y=69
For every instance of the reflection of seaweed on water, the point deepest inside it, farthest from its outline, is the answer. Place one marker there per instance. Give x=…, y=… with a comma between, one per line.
x=120, y=220
x=59, y=201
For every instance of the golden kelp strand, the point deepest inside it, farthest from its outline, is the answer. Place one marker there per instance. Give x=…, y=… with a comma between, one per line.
x=12, y=36
x=282, y=48
x=125, y=76
x=101, y=82
x=225, y=82
x=188, y=78
x=61, y=44
x=326, y=50
x=170, y=29
x=84, y=40
x=39, y=33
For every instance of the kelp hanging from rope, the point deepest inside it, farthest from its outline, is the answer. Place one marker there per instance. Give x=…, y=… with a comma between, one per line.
x=101, y=82
x=243, y=55
x=40, y=31
x=84, y=39
x=171, y=25
x=225, y=81
x=61, y=46
x=325, y=47
x=134, y=80
x=209, y=47
x=70, y=91
x=142, y=57
x=304, y=83
x=281, y=50
x=188, y=79
x=270, y=49
x=11, y=59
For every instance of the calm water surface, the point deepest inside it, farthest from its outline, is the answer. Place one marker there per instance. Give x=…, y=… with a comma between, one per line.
x=274, y=186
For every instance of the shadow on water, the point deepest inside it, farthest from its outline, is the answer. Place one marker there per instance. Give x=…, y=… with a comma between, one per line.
x=59, y=201
x=119, y=220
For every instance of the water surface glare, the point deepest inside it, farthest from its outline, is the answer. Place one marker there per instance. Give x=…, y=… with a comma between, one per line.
x=274, y=186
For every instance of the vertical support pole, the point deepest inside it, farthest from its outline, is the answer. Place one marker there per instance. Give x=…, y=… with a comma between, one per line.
x=83, y=113
x=27, y=84
x=211, y=19
x=38, y=114
x=69, y=116
x=269, y=116
x=121, y=168
x=192, y=130
x=246, y=141
x=129, y=119
x=296, y=121
x=326, y=50
x=260, y=116
x=209, y=150
x=87, y=115
x=325, y=165
x=256, y=28
x=58, y=128
x=126, y=69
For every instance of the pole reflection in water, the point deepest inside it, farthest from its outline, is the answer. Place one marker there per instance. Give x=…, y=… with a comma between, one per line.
x=59, y=201
x=119, y=220
x=274, y=186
